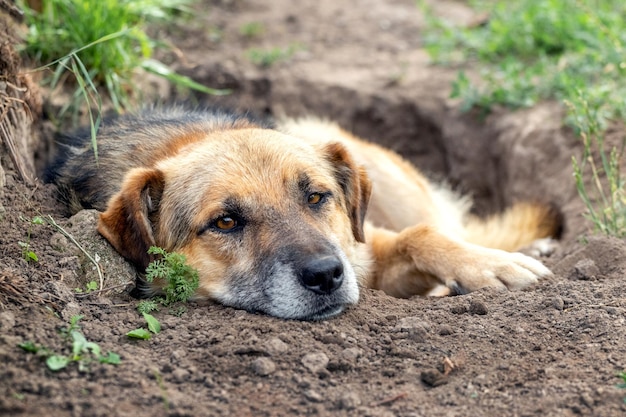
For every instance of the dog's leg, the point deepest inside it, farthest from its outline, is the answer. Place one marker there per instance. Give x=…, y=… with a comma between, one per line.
x=417, y=259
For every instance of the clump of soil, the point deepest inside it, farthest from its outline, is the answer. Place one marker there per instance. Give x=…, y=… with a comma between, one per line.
x=554, y=349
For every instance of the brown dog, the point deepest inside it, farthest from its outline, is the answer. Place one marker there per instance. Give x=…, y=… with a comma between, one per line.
x=277, y=220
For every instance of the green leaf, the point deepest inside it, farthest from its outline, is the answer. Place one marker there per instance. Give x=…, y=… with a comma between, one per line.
x=57, y=362
x=111, y=358
x=37, y=220
x=92, y=286
x=79, y=342
x=139, y=334
x=159, y=68
x=153, y=324
x=29, y=347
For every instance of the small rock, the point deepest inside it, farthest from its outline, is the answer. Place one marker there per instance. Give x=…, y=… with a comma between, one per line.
x=433, y=378
x=180, y=375
x=558, y=303
x=459, y=309
x=351, y=354
x=315, y=362
x=416, y=328
x=585, y=270
x=59, y=242
x=263, y=366
x=445, y=330
x=313, y=396
x=478, y=307
x=7, y=320
x=276, y=347
x=349, y=401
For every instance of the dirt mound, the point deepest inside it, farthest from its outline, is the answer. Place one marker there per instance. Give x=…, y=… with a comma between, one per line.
x=554, y=349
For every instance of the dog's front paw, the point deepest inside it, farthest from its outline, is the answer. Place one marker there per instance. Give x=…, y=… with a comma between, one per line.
x=483, y=267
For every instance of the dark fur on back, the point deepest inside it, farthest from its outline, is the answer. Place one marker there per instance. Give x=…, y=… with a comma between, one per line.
x=86, y=183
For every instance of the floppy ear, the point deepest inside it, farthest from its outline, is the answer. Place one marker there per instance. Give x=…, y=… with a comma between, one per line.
x=355, y=184
x=128, y=222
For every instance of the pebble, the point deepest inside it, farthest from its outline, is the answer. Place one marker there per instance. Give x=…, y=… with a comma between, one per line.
x=478, y=307
x=314, y=396
x=558, y=303
x=59, y=242
x=349, y=401
x=276, y=347
x=263, y=366
x=351, y=354
x=315, y=362
x=7, y=320
x=585, y=270
x=180, y=375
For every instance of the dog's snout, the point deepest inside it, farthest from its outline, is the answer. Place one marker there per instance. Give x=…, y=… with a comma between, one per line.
x=322, y=275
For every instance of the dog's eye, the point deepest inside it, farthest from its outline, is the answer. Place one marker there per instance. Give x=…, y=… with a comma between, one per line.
x=315, y=198
x=226, y=223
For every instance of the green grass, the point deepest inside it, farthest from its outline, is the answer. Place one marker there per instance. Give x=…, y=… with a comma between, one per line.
x=532, y=50
x=268, y=57
x=103, y=44
x=571, y=51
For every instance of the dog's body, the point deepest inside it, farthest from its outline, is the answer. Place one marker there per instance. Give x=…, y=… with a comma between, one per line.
x=279, y=222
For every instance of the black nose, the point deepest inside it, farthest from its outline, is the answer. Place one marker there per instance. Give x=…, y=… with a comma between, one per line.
x=322, y=275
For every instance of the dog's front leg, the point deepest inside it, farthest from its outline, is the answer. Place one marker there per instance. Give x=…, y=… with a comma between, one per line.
x=419, y=258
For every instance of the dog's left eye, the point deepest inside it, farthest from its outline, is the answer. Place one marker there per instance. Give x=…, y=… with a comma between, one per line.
x=315, y=198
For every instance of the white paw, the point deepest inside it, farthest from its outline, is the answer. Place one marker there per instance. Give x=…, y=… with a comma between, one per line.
x=497, y=269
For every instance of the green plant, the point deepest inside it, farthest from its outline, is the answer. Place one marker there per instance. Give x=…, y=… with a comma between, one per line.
x=532, y=50
x=571, y=51
x=102, y=43
x=147, y=306
x=252, y=29
x=83, y=352
x=606, y=198
x=268, y=57
x=181, y=280
x=27, y=253
x=91, y=286
x=154, y=326
x=622, y=376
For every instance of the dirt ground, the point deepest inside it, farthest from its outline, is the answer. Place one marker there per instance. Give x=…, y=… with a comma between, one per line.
x=552, y=350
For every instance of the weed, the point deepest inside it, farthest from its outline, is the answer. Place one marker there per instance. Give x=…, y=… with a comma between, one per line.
x=530, y=51
x=102, y=43
x=154, y=326
x=606, y=200
x=83, y=352
x=571, y=51
x=252, y=30
x=181, y=280
x=91, y=286
x=147, y=306
x=27, y=253
x=268, y=57
x=622, y=376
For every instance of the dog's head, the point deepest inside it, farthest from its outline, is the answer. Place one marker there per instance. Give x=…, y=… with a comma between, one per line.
x=271, y=224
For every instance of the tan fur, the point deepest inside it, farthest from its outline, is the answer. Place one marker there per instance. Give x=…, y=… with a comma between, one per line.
x=374, y=218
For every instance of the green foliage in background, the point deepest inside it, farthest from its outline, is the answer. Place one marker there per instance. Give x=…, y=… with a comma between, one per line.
x=103, y=43
x=571, y=51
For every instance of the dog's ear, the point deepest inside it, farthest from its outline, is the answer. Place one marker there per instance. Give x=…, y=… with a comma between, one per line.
x=355, y=184
x=129, y=220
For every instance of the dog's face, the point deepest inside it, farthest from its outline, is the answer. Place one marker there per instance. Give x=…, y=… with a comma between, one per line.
x=271, y=224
